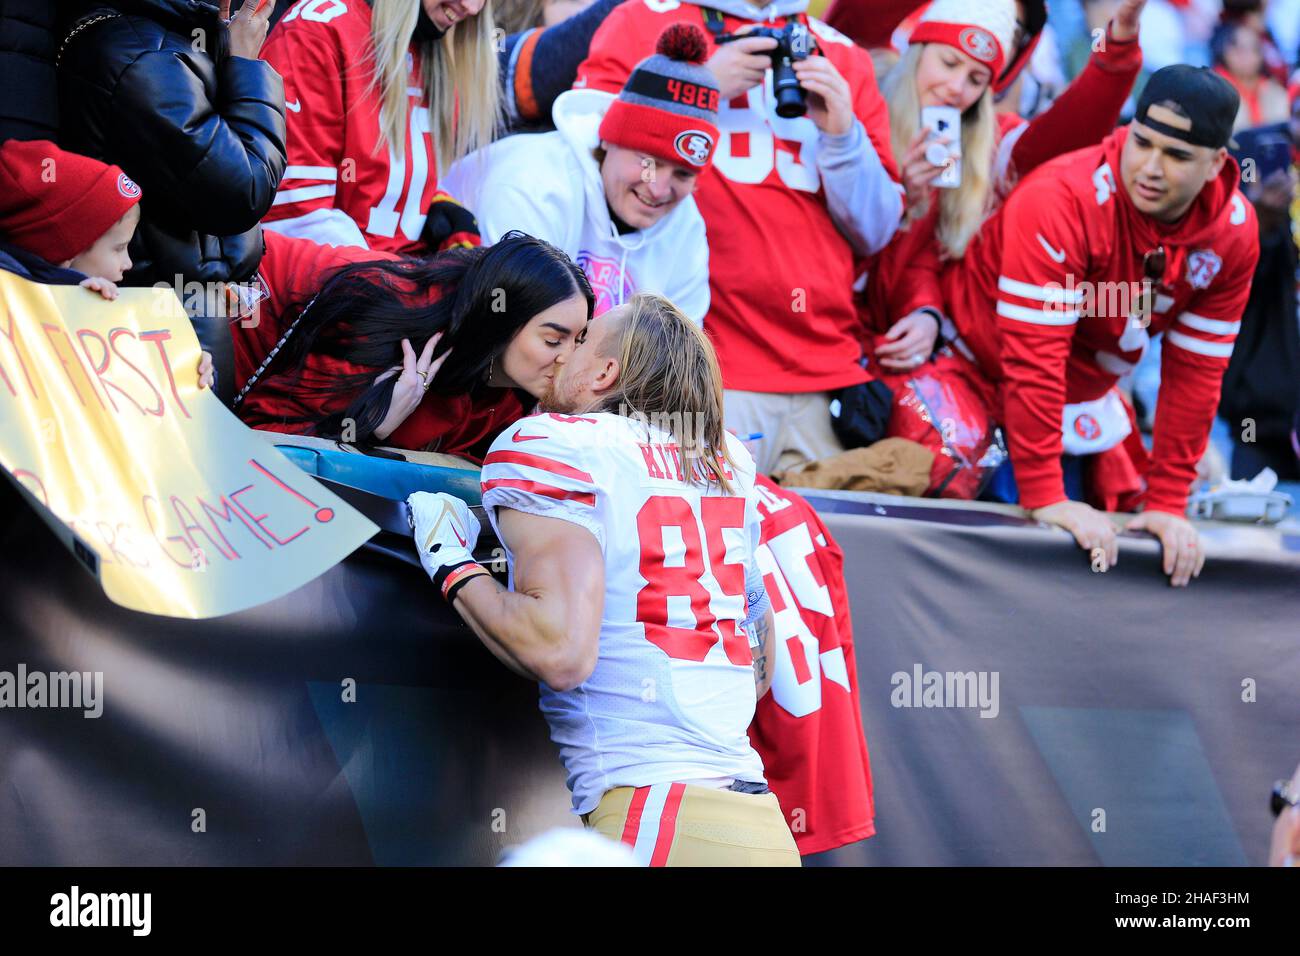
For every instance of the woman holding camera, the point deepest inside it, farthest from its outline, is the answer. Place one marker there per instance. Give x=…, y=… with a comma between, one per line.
x=435, y=354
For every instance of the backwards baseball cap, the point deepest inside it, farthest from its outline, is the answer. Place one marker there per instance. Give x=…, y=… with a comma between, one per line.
x=1191, y=103
x=669, y=105
x=982, y=29
x=57, y=204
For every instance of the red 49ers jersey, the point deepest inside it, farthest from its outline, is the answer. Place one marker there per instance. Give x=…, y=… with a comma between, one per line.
x=808, y=729
x=781, y=310
x=672, y=693
x=338, y=171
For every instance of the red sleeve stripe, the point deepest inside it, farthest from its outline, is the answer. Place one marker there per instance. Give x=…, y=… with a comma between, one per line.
x=536, y=461
x=537, y=488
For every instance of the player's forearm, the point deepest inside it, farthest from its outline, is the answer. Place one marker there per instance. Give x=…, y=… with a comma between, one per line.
x=524, y=631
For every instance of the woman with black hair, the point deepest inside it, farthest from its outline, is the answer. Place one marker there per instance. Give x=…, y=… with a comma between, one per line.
x=333, y=349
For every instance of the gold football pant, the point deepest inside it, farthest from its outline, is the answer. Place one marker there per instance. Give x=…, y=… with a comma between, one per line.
x=678, y=824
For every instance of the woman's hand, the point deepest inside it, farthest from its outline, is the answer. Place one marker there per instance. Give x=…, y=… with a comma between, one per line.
x=416, y=376
x=248, y=27
x=909, y=342
x=918, y=172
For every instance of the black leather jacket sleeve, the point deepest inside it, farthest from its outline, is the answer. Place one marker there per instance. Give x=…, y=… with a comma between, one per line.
x=213, y=165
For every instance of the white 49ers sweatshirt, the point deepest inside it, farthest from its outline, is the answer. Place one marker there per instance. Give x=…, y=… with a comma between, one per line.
x=548, y=185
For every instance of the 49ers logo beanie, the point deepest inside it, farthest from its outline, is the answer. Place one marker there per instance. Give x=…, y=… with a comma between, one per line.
x=669, y=105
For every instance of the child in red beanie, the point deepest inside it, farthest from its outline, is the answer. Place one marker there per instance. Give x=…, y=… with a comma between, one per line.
x=74, y=212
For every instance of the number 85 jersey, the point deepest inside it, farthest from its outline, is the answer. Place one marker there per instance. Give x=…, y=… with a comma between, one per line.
x=672, y=694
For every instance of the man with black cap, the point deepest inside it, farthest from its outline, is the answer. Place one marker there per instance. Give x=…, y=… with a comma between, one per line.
x=1094, y=253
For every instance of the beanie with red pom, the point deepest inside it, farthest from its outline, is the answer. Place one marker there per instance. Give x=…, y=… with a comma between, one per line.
x=57, y=204
x=669, y=105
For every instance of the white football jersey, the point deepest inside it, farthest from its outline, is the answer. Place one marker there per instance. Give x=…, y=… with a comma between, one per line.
x=672, y=694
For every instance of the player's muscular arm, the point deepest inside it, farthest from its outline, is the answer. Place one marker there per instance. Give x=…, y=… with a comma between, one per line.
x=548, y=628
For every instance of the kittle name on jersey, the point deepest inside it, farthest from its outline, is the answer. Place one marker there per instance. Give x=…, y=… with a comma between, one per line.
x=663, y=460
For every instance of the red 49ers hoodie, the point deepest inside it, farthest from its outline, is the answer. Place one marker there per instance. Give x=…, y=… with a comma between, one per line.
x=1044, y=298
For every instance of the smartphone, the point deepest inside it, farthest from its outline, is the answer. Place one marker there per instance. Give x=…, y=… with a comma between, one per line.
x=946, y=121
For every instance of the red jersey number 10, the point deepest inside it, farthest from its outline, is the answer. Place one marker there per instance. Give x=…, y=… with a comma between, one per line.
x=684, y=580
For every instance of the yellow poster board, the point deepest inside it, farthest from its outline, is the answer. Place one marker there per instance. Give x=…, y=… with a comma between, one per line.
x=174, y=503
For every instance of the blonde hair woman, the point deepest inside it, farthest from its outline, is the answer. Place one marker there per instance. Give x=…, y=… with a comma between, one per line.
x=381, y=96
x=961, y=53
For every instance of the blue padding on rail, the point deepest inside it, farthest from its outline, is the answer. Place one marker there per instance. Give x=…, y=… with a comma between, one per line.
x=385, y=477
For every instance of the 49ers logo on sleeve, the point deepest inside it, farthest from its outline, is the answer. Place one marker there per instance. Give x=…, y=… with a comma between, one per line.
x=979, y=43
x=1086, y=427
x=694, y=145
x=1202, y=266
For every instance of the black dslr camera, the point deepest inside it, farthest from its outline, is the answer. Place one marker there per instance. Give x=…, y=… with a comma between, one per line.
x=793, y=42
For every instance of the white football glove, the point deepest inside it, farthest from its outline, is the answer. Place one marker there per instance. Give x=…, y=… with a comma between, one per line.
x=446, y=531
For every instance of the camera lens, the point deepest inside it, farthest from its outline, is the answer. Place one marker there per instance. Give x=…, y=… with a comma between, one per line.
x=790, y=99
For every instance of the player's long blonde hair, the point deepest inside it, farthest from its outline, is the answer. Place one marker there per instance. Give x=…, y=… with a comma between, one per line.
x=460, y=79
x=962, y=210
x=669, y=376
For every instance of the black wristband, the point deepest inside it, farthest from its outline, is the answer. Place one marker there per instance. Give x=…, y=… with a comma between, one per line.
x=450, y=596
x=441, y=576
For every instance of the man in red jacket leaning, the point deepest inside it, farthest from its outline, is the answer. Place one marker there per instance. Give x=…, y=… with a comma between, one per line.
x=1093, y=254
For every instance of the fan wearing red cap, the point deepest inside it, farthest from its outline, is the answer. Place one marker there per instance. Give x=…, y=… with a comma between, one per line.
x=74, y=212
x=612, y=186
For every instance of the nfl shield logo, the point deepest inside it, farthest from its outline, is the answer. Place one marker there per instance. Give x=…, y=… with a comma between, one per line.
x=1202, y=266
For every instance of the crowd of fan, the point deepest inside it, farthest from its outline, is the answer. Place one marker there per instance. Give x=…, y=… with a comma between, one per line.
x=401, y=215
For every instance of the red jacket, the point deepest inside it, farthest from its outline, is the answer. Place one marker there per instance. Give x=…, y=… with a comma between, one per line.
x=293, y=270
x=1044, y=298
x=904, y=276
x=780, y=273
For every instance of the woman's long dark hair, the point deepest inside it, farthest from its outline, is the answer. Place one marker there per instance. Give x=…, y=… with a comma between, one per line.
x=363, y=311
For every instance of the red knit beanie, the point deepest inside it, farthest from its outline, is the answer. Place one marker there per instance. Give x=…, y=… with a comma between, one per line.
x=982, y=29
x=669, y=105
x=57, y=204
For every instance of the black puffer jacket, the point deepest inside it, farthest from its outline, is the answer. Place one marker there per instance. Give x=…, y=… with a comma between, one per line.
x=28, y=104
x=150, y=86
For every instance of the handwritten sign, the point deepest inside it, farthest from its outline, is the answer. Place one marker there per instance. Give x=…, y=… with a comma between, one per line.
x=174, y=503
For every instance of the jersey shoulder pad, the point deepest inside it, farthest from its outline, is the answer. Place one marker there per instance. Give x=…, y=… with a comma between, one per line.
x=548, y=442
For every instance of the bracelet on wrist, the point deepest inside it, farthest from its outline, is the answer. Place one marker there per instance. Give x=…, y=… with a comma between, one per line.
x=459, y=577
